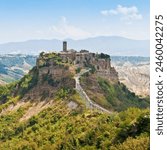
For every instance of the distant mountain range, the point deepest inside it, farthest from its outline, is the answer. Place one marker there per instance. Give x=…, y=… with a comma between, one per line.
x=112, y=45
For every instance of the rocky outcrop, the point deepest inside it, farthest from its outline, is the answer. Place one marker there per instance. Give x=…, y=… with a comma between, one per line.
x=47, y=78
x=99, y=62
x=55, y=71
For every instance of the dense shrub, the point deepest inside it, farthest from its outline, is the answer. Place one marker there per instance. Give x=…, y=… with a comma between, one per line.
x=52, y=129
x=120, y=97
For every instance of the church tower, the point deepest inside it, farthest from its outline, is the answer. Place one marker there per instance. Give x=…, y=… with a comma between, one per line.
x=64, y=46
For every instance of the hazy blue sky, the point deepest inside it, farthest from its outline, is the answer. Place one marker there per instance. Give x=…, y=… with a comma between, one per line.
x=22, y=20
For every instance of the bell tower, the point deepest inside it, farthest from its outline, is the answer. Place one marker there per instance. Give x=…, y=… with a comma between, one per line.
x=64, y=46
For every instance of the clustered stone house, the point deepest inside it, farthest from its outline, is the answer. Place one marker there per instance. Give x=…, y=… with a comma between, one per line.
x=84, y=57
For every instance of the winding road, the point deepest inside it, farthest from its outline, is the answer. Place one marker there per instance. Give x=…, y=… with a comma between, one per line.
x=89, y=103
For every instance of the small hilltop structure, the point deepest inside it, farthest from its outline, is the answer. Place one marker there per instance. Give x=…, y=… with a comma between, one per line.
x=101, y=63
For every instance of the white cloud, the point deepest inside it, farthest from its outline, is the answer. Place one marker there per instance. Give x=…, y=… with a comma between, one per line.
x=127, y=13
x=109, y=12
x=63, y=29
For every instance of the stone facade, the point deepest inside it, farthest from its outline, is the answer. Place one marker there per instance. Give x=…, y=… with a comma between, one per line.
x=64, y=46
x=86, y=59
x=67, y=56
x=82, y=59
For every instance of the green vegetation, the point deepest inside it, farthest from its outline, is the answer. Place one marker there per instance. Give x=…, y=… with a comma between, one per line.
x=47, y=59
x=51, y=129
x=16, y=90
x=6, y=92
x=64, y=93
x=78, y=70
x=9, y=124
x=120, y=97
x=32, y=79
x=27, y=82
x=62, y=127
x=92, y=67
x=11, y=101
x=111, y=95
x=59, y=128
x=103, y=56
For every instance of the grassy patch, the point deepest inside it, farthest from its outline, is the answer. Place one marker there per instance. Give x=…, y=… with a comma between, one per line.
x=120, y=97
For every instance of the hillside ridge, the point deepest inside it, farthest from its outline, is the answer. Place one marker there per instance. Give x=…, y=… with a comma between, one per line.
x=61, y=72
x=44, y=110
x=89, y=103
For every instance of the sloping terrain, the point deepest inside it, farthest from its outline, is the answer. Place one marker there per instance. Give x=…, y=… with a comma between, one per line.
x=134, y=72
x=58, y=127
x=14, y=67
x=44, y=110
x=112, y=96
x=136, y=78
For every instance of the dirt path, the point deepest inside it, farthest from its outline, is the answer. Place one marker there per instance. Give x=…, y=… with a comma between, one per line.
x=89, y=103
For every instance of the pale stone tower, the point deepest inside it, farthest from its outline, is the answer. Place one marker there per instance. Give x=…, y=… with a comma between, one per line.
x=64, y=46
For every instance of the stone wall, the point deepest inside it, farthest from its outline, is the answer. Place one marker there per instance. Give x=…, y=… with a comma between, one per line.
x=82, y=59
x=67, y=57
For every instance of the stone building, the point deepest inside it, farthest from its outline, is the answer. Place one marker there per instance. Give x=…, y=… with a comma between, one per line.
x=64, y=46
x=84, y=58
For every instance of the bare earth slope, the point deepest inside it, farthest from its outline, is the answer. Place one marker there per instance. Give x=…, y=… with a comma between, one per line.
x=135, y=76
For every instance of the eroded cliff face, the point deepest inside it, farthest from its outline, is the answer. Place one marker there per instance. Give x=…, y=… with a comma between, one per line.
x=52, y=73
x=99, y=63
x=136, y=78
x=51, y=79
x=49, y=76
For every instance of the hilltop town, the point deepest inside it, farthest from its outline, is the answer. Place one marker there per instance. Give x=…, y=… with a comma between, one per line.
x=68, y=100
x=99, y=62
